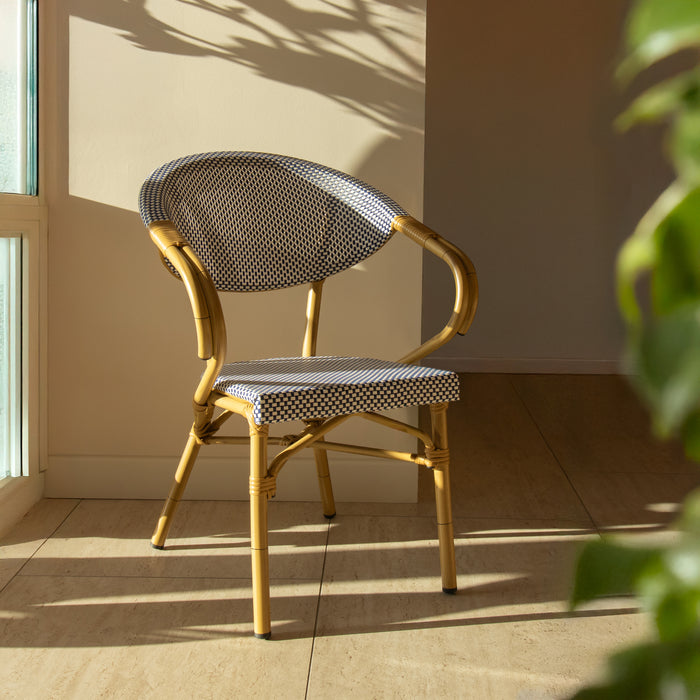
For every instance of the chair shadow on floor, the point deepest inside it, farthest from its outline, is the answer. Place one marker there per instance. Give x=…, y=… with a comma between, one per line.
x=366, y=590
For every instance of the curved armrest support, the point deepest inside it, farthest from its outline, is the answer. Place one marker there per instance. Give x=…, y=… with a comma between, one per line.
x=464, y=274
x=204, y=300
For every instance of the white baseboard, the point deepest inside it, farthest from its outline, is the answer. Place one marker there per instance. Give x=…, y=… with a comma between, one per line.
x=226, y=478
x=506, y=365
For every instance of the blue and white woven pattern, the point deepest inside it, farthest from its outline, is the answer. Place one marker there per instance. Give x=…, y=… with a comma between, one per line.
x=263, y=221
x=293, y=388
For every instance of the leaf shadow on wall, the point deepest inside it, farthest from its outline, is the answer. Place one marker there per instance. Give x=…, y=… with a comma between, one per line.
x=312, y=49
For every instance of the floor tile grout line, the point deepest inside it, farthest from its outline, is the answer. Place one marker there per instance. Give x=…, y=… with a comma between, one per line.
x=318, y=609
x=46, y=539
x=554, y=454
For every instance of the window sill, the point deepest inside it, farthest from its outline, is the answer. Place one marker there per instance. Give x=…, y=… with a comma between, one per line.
x=21, y=207
x=17, y=496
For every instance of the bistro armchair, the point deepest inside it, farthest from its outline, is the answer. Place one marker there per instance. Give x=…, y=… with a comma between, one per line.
x=240, y=221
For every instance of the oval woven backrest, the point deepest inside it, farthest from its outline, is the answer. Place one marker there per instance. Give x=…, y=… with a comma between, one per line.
x=262, y=221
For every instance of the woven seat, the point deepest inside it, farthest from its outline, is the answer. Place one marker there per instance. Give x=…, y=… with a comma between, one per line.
x=293, y=388
x=240, y=222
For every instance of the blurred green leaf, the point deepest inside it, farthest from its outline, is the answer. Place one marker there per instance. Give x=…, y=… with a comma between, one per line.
x=662, y=100
x=667, y=364
x=676, y=278
x=685, y=145
x=637, y=255
x=640, y=250
x=677, y=614
x=652, y=671
x=607, y=568
x=657, y=29
x=689, y=520
x=682, y=561
x=690, y=433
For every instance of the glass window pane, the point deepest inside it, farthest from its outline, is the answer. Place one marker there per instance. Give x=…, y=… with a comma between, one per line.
x=18, y=96
x=10, y=357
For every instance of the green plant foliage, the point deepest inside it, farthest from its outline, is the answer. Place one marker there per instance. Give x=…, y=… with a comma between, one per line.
x=662, y=100
x=608, y=568
x=666, y=361
x=676, y=280
x=663, y=355
x=666, y=581
x=664, y=341
x=657, y=29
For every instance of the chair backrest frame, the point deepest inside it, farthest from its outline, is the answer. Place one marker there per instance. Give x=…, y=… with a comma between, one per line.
x=261, y=221
x=183, y=260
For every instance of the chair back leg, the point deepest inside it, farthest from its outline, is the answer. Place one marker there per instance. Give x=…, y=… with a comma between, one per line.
x=259, y=494
x=182, y=474
x=443, y=498
x=324, y=476
x=324, y=483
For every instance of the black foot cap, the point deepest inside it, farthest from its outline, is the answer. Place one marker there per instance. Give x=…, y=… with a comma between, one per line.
x=449, y=591
x=156, y=546
x=267, y=635
x=329, y=517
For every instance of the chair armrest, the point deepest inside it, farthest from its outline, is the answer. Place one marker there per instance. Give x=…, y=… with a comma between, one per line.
x=464, y=274
x=204, y=300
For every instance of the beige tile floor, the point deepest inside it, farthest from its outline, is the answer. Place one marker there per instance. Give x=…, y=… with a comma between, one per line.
x=541, y=464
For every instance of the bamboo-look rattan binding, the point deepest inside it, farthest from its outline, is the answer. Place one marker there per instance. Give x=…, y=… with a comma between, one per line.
x=210, y=328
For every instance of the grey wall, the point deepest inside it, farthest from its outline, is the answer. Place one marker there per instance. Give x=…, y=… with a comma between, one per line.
x=525, y=172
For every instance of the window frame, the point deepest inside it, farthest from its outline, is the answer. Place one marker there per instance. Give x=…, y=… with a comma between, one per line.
x=26, y=215
x=11, y=351
x=23, y=215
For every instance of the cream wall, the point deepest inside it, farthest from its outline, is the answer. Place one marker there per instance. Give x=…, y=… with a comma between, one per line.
x=130, y=85
x=525, y=171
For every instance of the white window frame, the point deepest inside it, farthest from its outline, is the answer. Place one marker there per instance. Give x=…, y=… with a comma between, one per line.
x=11, y=381
x=24, y=216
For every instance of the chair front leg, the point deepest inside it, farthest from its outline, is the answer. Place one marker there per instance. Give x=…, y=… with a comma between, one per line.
x=443, y=498
x=261, y=489
x=182, y=474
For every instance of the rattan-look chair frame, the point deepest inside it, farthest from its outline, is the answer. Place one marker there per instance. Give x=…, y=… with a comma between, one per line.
x=211, y=347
